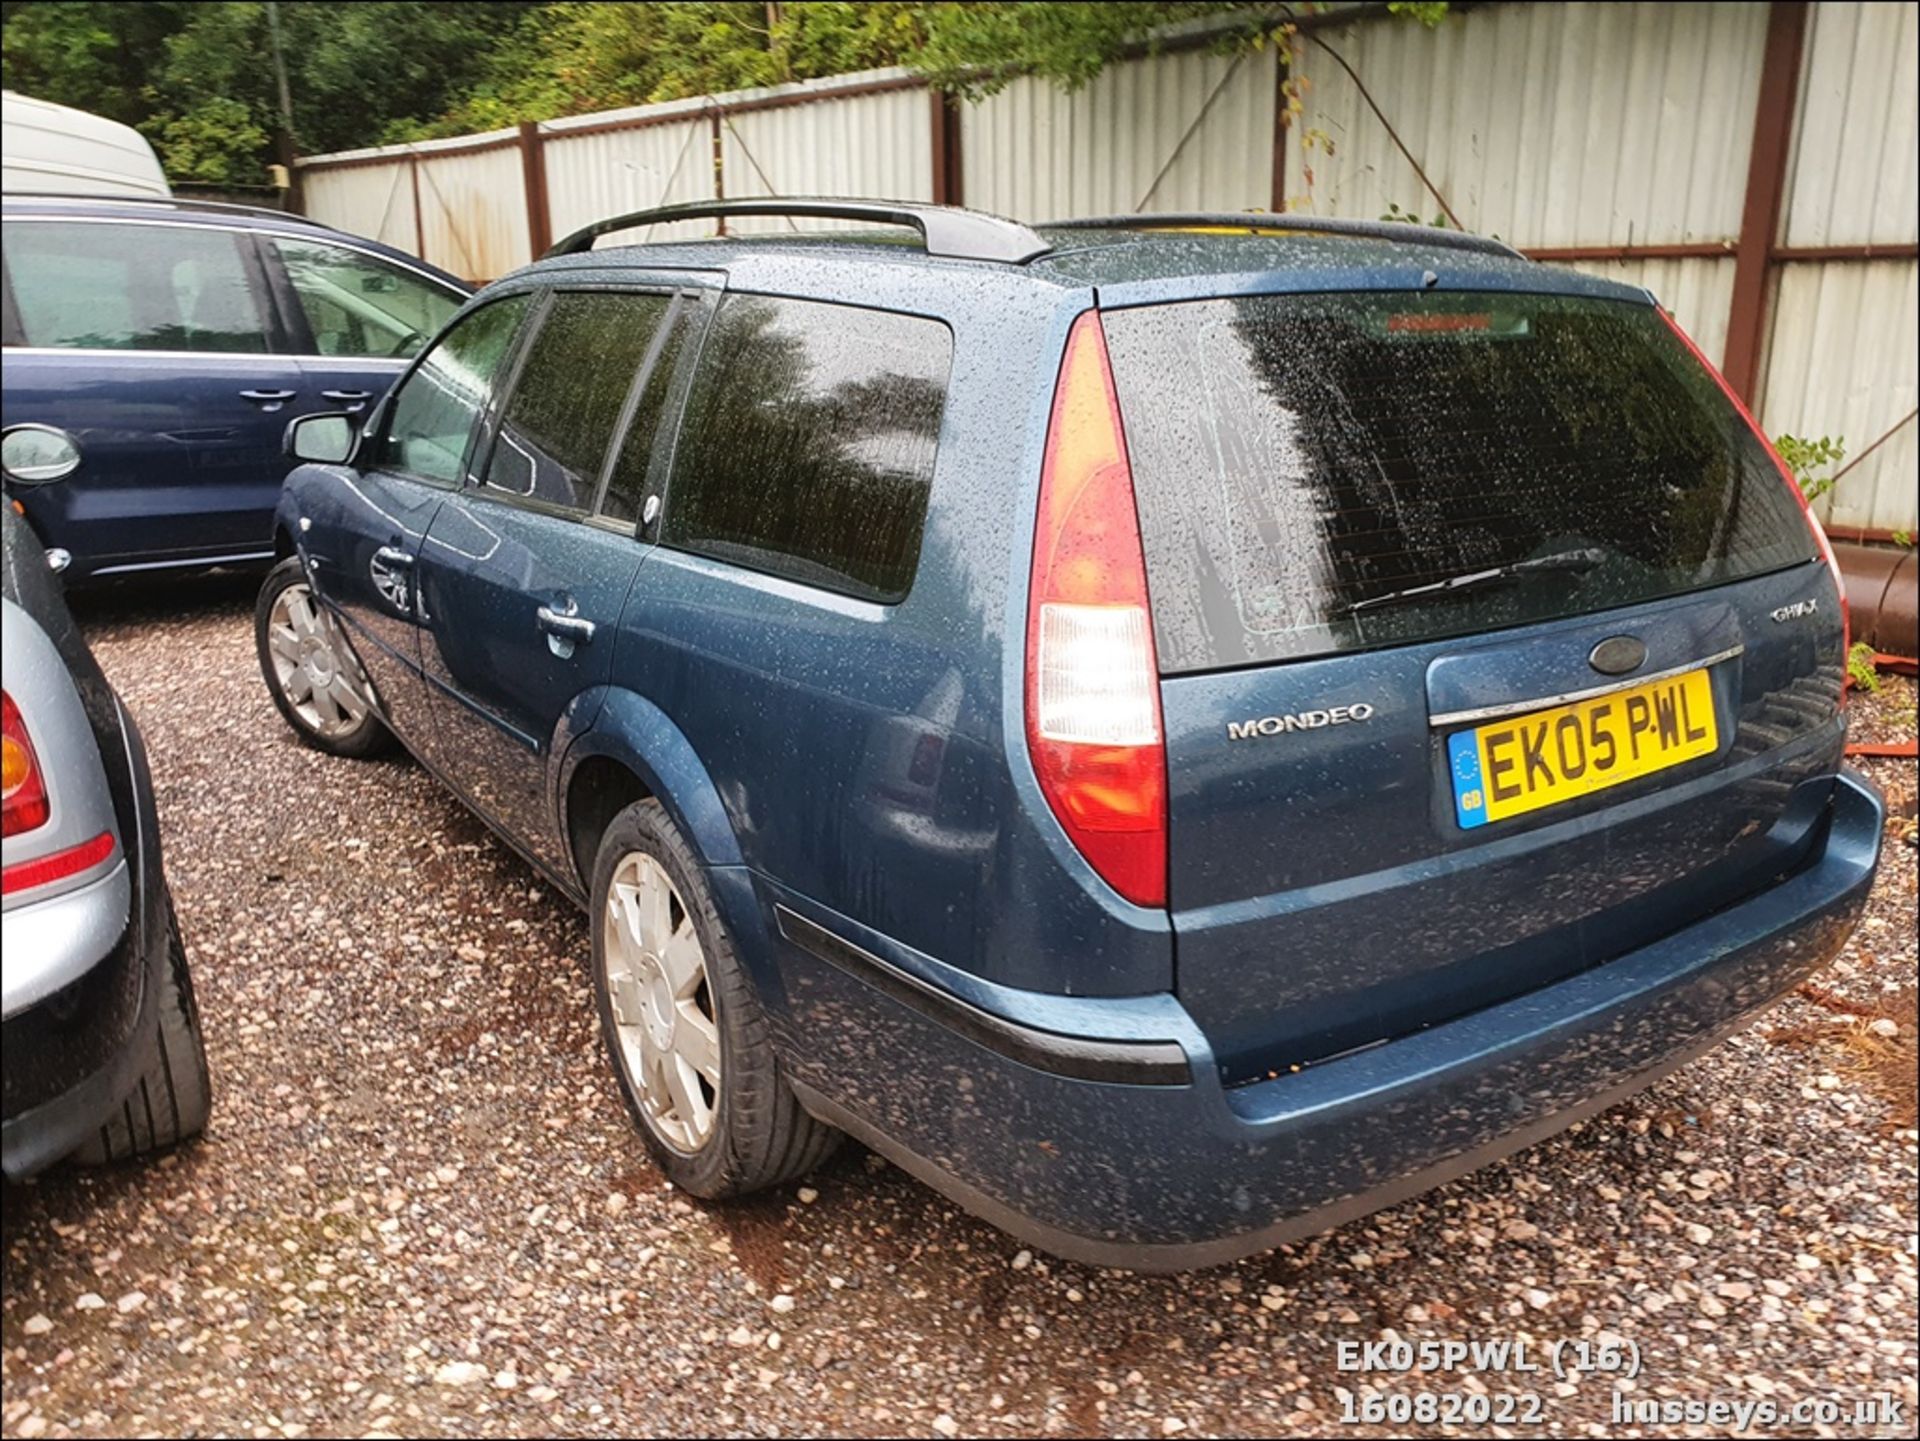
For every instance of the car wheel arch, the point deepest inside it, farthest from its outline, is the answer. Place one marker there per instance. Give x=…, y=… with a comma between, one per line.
x=634, y=751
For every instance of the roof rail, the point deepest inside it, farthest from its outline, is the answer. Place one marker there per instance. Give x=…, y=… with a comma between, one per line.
x=181, y=200
x=1265, y=220
x=947, y=230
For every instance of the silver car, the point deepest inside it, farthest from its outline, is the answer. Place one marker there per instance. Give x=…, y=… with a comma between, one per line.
x=100, y=1049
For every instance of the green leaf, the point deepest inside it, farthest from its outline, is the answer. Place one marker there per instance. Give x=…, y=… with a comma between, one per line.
x=1805, y=457
x=1860, y=667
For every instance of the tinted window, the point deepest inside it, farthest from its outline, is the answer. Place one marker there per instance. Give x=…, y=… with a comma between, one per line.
x=1303, y=462
x=627, y=485
x=356, y=305
x=567, y=400
x=807, y=447
x=133, y=287
x=435, y=408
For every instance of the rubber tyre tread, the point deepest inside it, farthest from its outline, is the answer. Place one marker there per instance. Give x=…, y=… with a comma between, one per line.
x=762, y=1136
x=170, y=1102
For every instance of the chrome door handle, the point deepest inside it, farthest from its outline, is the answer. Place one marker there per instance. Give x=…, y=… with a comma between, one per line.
x=393, y=556
x=568, y=627
x=345, y=394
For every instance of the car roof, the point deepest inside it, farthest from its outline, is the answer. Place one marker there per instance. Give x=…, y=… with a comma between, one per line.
x=143, y=207
x=241, y=217
x=1146, y=263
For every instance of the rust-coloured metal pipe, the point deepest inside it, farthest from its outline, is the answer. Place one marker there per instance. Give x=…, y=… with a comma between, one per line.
x=1883, y=592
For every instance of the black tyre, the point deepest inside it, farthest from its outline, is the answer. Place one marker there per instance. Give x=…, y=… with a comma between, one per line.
x=683, y=1026
x=170, y=1101
x=310, y=671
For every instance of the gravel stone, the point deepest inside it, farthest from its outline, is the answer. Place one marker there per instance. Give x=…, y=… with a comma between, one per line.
x=406, y=1070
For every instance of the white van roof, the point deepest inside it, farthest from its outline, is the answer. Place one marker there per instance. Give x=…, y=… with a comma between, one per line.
x=56, y=149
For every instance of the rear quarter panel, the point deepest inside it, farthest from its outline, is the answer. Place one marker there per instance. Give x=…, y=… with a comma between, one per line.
x=871, y=758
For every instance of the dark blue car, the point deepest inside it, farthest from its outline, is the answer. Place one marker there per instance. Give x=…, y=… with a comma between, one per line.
x=173, y=340
x=1176, y=738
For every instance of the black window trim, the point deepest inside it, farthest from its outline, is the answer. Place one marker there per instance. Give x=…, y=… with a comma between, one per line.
x=630, y=406
x=262, y=276
x=703, y=305
x=658, y=529
x=682, y=300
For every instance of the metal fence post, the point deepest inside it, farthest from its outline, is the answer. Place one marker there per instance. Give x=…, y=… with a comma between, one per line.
x=719, y=161
x=1766, y=186
x=419, y=219
x=948, y=185
x=533, y=172
x=1282, y=128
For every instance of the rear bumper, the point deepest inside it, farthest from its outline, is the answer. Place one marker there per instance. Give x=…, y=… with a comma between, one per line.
x=69, y=1058
x=1172, y=1176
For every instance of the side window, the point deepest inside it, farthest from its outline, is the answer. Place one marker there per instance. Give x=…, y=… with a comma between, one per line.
x=358, y=305
x=435, y=408
x=627, y=481
x=81, y=286
x=808, y=443
x=569, y=396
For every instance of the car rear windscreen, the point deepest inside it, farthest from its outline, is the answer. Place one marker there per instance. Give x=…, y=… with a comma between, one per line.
x=1327, y=473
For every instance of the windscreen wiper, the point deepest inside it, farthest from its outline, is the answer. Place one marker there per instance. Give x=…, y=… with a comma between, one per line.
x=1563, y=560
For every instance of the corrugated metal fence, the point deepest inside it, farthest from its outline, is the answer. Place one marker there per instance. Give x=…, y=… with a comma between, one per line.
x=1754, y=165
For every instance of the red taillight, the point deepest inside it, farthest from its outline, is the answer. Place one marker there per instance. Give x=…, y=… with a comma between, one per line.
x=1786, y=474
x=1093, y=684
x=26, y=806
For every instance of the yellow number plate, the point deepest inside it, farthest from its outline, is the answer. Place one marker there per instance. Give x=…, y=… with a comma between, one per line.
x=1519, y=764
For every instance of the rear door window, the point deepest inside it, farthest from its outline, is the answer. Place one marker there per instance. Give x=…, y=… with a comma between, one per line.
x=359, y=305
x=807, y=445
x=1313, y=471
x=574, y=385
x=440, y=400
x=99, y=286
x=638, y=470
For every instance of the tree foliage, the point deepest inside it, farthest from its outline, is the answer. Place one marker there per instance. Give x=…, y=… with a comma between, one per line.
x=197, y=78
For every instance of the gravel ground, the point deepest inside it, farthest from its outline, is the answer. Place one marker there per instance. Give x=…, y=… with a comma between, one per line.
x=419, y=1207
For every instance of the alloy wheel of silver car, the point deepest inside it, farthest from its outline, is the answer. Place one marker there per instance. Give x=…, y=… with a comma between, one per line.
x=662, y=1002
x=318, y=682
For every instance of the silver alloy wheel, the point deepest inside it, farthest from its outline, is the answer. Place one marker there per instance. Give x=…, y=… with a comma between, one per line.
x=657, y=986
x=318, y=682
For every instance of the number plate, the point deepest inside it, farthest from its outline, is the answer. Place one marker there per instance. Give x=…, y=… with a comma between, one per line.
x=1522, y=763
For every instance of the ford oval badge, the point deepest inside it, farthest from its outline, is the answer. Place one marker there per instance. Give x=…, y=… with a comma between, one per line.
x=1618, y=655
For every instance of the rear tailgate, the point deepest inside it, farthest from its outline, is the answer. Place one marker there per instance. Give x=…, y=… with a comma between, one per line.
x=1493, y=645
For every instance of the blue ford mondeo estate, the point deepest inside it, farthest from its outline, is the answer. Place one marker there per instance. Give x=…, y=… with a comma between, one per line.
x=1177, y=738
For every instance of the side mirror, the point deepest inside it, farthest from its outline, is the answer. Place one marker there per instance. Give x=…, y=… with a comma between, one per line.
x=327, y=439
x=37, y=454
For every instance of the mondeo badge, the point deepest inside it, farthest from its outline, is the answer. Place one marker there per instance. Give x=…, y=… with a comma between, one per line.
x=1618, y=655
x=1306, y=720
